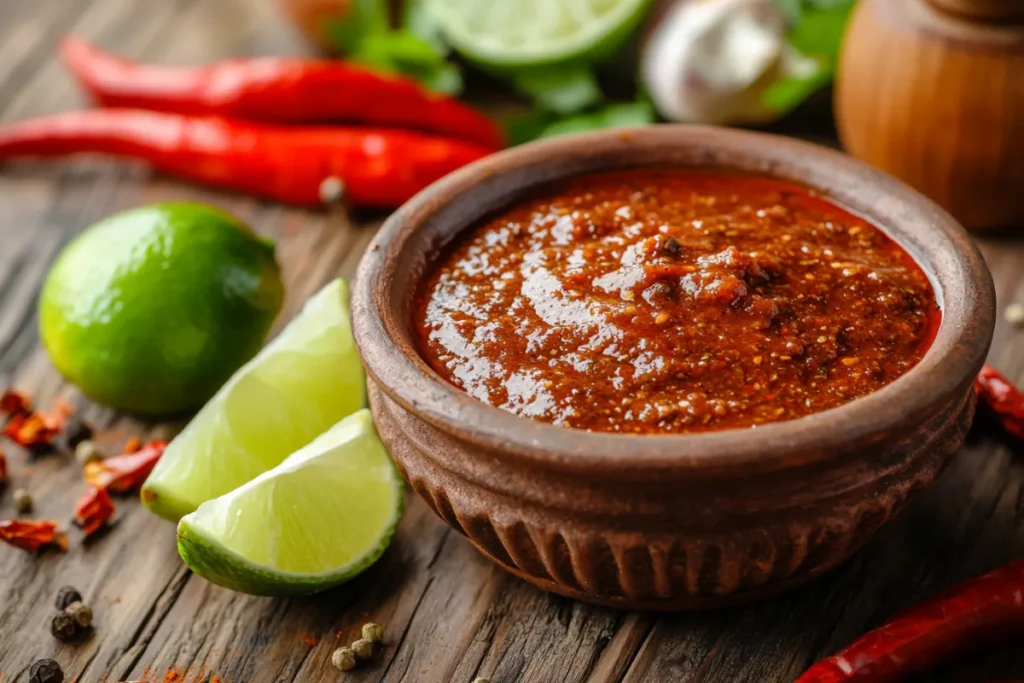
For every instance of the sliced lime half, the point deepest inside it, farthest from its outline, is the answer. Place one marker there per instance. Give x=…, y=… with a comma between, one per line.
x=319, y=518
x=299, y=385
x=519, y=33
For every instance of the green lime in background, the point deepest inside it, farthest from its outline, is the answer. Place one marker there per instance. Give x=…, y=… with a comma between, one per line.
x=526, y=33
x=153, y=309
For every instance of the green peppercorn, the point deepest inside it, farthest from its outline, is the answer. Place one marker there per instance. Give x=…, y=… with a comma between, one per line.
x=373, y=632
x=63, y=627
x=66, y=596
x=81, y=613
x=22, y=501
x=363, y=649
x=87, y=452
x=45, y=671
x=344, y=659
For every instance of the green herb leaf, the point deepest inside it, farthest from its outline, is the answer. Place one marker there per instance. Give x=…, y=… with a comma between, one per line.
x=820, y=31
x=787, y=94
x=792, y=9
x=417, y=19
x=445, y=79
x=613, y=116
x=525, y=126
x=818, y=34
x=365, y=17
x=403, y=49
x=563, y=89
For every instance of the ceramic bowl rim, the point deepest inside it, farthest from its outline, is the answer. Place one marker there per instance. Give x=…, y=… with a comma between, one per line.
x=934, y=239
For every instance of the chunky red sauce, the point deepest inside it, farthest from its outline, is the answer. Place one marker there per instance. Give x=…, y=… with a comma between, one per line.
x=664, y=300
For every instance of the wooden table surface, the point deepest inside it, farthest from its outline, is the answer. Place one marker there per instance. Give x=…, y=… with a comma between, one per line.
x=449, y=615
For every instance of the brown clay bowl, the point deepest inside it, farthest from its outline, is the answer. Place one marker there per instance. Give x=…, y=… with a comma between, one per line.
x=670, y=522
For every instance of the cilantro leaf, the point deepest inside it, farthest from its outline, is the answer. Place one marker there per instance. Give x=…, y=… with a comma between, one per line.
x=366, y=37
x=562, y=89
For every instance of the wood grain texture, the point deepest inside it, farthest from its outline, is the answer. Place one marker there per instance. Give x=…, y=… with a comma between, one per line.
x=449, y=615
x=936, y=100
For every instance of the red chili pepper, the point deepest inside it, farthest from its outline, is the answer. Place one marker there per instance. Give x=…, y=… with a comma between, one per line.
x=379, y=167
x=1001, y=397
x=276, y=90
x=30, y=429
x=94, y=510
x=32, y=535
x=974, y=614
x=122, y=473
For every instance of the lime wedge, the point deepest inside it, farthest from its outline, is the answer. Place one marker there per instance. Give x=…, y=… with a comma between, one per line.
x=319, y=518
x=304, y=381
x=506, y=35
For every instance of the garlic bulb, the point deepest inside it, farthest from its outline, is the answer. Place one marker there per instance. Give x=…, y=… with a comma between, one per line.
x=710, y=61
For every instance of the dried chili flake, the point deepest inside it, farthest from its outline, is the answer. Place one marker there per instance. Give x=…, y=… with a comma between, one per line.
x=1005, y=400
x=132, y=445
x=30, y=429
x=122, y=473
x=4, y=476
x=60, y=412
x=94, y=510
x=32, y=535
x=13, y=402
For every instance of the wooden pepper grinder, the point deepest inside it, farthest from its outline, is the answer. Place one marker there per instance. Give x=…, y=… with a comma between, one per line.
x=932, y=91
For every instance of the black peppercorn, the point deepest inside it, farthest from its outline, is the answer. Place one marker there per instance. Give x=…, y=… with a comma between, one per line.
x=66, y=596
x=76, y=431
x=41, y=450
x=45, y=671
x=63, y=627
x=672, y=247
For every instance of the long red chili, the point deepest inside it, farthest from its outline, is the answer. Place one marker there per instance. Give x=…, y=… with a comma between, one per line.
x=276, y=90
x=965, y=617
x=379, y=167
x=1005, y=400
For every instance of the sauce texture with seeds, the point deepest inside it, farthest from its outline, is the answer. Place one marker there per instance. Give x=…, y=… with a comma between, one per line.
x=670, y=301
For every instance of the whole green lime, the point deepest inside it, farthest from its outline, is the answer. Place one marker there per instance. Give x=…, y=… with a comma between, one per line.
x=152, y=309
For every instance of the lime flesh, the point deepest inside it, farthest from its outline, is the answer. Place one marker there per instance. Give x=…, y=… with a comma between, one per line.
x=319, y=518
x=505, y=35
x=304, y=381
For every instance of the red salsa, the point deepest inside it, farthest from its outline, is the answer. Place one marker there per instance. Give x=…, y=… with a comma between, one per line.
x=670, y=300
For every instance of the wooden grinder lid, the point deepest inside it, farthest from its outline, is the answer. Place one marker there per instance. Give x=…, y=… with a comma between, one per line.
x=984, y=10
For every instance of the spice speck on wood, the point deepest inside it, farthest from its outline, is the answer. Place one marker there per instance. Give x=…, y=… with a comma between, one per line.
x=81, y=613
x=67, y=595
x=1014, y=314
x=87, y=452
x=45, y=671
x=22, y=501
